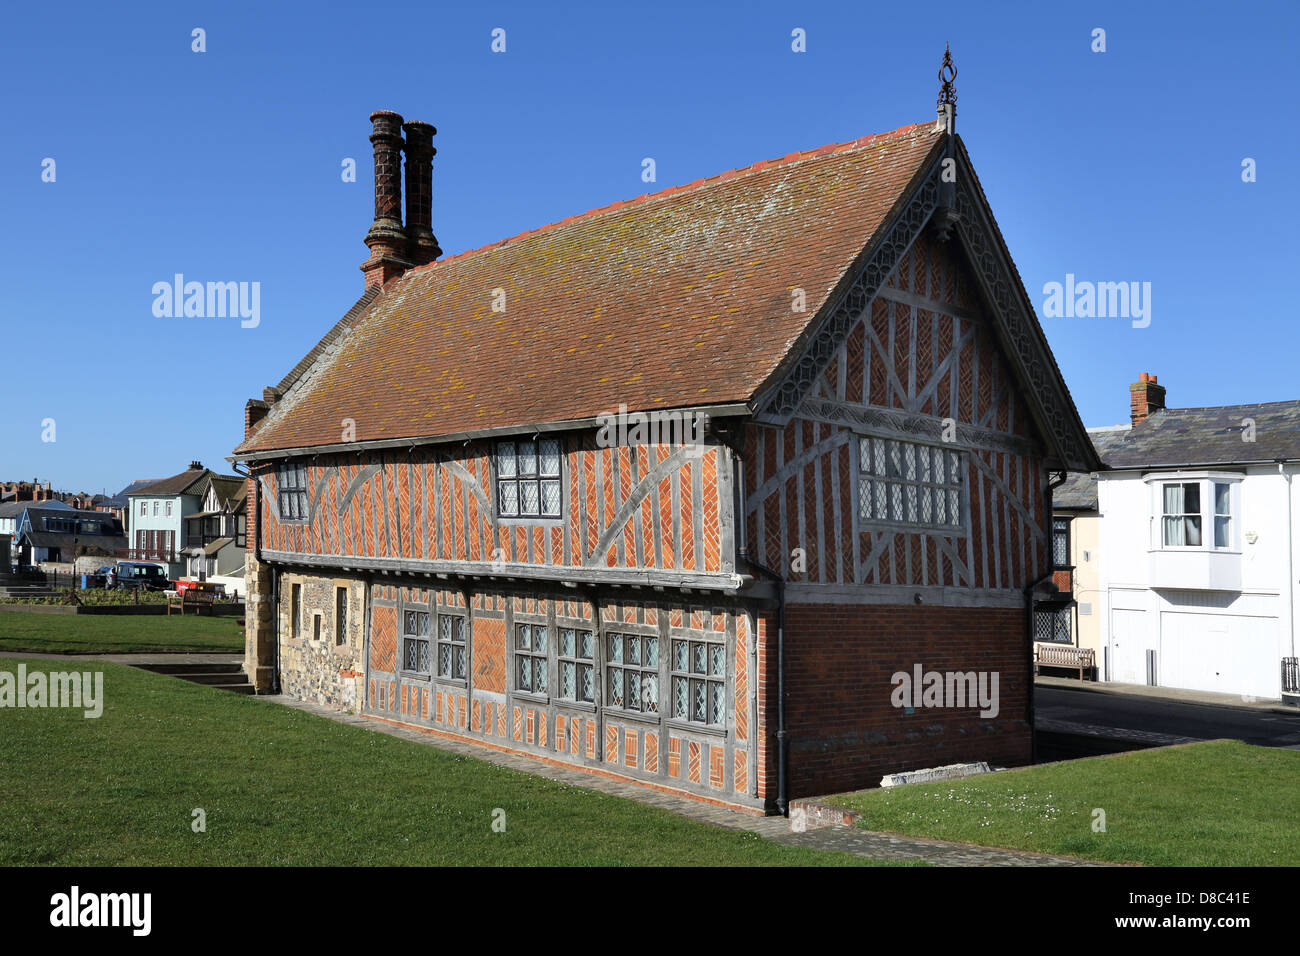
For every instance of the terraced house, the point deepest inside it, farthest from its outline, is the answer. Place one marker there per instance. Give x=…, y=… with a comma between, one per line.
x=445, y=535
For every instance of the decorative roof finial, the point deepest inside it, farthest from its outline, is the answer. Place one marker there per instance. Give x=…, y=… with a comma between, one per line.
x=947, y=103
x=947, y=73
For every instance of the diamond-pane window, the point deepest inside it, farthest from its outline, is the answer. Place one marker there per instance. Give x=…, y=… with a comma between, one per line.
x=906, y=483
x=575, y=655
x=291, y=482
x=530, y=478
x=530, y=658
x=634, y=683
x=699, y=681
x=415, y=642
x=451, y=646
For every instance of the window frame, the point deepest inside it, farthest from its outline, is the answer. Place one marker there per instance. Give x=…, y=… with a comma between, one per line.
x=517, y=478
x=866, y=470
x=578, y=661
x=691, y=676
x=1208, y=515
x=534, y=656
x=1062, y=526
x=416, y=614
x=460, y=627
x=295, y=610
x=290, y=496
x=1065, y=613
x=340, y=616
x=609, y=664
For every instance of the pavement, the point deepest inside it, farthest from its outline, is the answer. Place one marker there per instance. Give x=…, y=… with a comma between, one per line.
x=1204, y=697
x=1161, y=715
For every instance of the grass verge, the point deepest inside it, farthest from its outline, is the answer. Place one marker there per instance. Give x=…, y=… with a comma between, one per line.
x=280, y=786
x=1218, y=803
x=117, y=634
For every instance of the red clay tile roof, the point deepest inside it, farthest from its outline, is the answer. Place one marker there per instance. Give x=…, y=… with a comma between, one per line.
x=671, y=300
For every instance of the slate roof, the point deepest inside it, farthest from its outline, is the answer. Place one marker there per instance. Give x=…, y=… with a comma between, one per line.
x=61, y=540
x=119, y=500
x=1079, y=491
x=1187, y=438
x=1210, y=436
x=37, y=514
x=187, y=482
x=229, y=488
x=677, y=299
x=12, y=509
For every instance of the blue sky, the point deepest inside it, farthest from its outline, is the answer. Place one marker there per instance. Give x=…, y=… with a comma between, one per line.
x=225, y=165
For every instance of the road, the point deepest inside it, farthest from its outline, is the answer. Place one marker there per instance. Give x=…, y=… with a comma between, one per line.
x=1202, y=721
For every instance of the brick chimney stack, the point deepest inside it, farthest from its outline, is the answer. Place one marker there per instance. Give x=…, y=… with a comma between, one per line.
x=387, y=239
x=423, y=246
x=1145, y=397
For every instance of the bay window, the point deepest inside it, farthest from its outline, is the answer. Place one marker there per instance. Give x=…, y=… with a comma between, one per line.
x=1189, y=507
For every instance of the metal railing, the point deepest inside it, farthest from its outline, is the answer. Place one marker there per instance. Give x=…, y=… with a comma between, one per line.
x=1291, y=675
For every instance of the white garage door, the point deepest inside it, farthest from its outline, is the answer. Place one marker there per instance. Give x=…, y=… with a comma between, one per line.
x=1228, y=653
x=1129, y=642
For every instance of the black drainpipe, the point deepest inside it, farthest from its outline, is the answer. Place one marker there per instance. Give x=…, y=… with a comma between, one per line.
x=738, y=516
x=1029, y=612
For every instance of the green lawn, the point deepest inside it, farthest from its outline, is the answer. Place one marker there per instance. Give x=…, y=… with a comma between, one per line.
x=117, y=633
x=1219, y=803
x=280, y=786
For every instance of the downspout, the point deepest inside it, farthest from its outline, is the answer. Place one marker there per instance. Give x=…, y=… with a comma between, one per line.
x=1290, y=569
x=1029, y=610
x=782, y=739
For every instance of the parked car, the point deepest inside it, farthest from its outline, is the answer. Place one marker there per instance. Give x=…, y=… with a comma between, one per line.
x=134, y=575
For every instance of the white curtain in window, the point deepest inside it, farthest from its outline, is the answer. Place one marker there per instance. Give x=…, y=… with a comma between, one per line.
x=1173, y=522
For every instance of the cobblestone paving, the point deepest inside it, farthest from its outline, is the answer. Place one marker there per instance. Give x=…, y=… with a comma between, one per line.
x=864, y=843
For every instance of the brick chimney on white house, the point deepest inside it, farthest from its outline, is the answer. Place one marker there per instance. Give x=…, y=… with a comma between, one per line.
x=1145, y=397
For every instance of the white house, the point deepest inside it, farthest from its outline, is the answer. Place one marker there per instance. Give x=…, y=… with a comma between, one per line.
x=159, y=512
x=1198, y=521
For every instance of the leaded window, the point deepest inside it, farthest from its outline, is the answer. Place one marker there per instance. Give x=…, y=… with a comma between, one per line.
x=699, y=681
x=530, y=658
x=576, y=652
x=632, y=672
x=528, y=478
x=291, y=478
x=451, y=646
x=904, y=483
x=1053, y=626
x=1061, y=542
x=415, y=642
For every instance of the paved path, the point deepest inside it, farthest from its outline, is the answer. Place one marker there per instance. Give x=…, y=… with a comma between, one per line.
x=864, y=843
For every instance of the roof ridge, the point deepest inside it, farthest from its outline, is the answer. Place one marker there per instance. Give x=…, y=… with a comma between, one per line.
x=789, y=159
x=1209, y=408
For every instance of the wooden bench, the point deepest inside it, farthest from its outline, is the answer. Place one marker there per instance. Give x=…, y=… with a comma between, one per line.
x=190, y=599
x=1081, y=659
